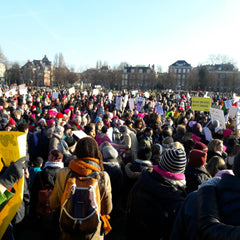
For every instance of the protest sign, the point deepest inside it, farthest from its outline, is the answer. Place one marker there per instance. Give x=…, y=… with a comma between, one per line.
x=23, y=91
x=228, y=103
x=140, y=103
x=22, y=86
x=71, y=90
x=80, y=134
x=201, y=104
x=125, y=101
x=12, y=147
x=95, y=91
x=131, y=104
x=110, y=133
x=119, y=103
x=55, y=95
x=0, y=92
x=159, y=110
x=110, y=95
x=134, y=92
x=217, y=114
x=208, y=134
x=238, y=116
x=10, y=93
x=146, y=94
x=232, y=111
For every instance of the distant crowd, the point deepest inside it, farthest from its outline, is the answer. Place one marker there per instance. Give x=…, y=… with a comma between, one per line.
x=161, y=176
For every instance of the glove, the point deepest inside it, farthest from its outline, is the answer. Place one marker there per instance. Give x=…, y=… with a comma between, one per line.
x=13, y=173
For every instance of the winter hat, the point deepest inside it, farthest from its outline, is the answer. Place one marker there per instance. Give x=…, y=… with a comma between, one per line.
x=67, y=126
x=123, y=129
x=227, y=132
x=33, y=116
x=173, y=160
x=236, y=165
x=3, y=122
x=167, y=142
x=191, y=123
x=33, y=108
x=226, y=171
x=201, y=146
x=215, y=123
x=49, y=122
x=110, y=115
x=97, y=119
x=12, y=122
x=217, y=129
x=109, y=152
x=42, y=120
x=59, y=115
x=197, y=158
x=51, y=112
x=67, y=111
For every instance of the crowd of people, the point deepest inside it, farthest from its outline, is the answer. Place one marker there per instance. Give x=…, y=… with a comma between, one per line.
x=162, y=177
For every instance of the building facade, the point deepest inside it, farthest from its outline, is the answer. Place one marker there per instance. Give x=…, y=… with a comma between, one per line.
x=37, y=72
x=138, y=77
x=180, y=71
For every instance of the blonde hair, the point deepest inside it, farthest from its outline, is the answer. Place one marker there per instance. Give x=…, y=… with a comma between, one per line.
x=212, y=145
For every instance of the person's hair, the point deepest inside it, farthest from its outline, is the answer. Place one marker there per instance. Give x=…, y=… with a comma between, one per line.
x=235, y=150
x=22, y=127
x=178, y=145
x=167, y=131
x=98, y=123
x=213, y=144
x=104, y=129
x=104, y=144
x=181, y=129
x=37, y=162
x=87, y=129
x=148, y=129
x=88, y=147
x=137, y=121
x=215, y=164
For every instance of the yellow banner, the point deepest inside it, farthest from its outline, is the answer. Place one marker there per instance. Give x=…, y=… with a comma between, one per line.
x=12, y=147
x=201, y=104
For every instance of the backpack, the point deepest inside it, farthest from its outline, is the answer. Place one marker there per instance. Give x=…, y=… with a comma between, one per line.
x=81, y=204
x=43, y=202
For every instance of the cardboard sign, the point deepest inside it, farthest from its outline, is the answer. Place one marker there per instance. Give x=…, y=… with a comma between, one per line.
x=146, y=94
x=131, y=104
x=80, y=134
x=228, y=103
x=208, y=134
x=55, y=95
x=110, y=95
x=201, y=104
x=22, y=86
x=159, y=110
x=10, y=93
x=12, y=147
x=217, y=114
x=95, y=92
x=140, y=103
x=23, y=91
x=71, y=90
x=125, y=101
x=119, y=103
x=232, y=111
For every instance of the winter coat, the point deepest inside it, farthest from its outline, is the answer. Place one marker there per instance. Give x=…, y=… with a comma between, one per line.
x=106, y=200
x=153, y=205
x=53, y=144
x=194, y=177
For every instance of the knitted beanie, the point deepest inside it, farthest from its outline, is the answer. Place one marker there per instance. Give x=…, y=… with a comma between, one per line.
x=173, y=160
x=227, y=132
x=201, y=146
x=109, y=152
x=197, y=158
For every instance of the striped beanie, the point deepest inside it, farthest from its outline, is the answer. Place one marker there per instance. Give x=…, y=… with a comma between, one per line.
x=173, y=160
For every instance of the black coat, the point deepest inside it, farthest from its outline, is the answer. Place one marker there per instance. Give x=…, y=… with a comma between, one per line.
x=194, y=177
x=153, y=205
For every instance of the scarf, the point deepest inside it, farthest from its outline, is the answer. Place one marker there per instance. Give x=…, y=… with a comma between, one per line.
x=53, y=164
x=84, y=167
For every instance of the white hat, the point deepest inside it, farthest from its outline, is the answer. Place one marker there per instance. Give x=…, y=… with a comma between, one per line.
x=218, y=129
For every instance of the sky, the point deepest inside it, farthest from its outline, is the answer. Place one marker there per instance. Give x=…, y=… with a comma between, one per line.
x=135, y=31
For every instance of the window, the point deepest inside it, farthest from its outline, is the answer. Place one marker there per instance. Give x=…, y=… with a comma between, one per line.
x=184, y=70
x=179, y=70
x=183, y=76
x=125, y=70
x=140, y=70
x=179, y=76
x=188, y=70
x=175, y=70
x=132, y=70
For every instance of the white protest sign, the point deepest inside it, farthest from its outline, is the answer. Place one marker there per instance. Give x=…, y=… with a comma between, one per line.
x=110, y=95
x=217, y=114
x=228, y=103
x=71, y=90
x=85, y=93
x=55, y=95
x=208, y=134
x=119, y=103
x=131, y=104
x=10, y=93
x=236, y=99
x=140, y=103
x=159, y=110
x=134, y=92
x=125, y=101
x=22, y=86
x=95, y=91
x=0, y=92
x=146, y=94
x=23, y=91
x=232, y=111
x=110, y=133
x=238, y=116
x=80, y=134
